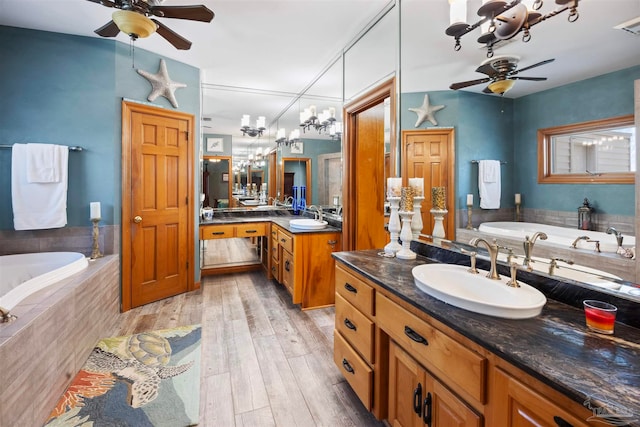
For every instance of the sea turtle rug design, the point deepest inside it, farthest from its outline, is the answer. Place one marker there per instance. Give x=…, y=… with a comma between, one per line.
x=136, y=380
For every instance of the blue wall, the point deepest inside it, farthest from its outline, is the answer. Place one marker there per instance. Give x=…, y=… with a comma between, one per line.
x=64, y=89
x=491, y=127
x=605, y=96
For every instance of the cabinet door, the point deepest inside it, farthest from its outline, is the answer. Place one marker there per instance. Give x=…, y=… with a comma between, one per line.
x=416, y=398
x=516, y=405
x=317, y=281
x=287, y=270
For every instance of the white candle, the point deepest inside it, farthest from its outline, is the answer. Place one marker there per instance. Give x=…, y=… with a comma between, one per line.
x=394, y=186
x=518, y=198
x=469, y=199
x=95, y=210
x=418, y=186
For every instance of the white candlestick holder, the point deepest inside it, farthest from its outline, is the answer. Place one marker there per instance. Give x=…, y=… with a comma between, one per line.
x=406, y=236
x=469, y=222
x=95, y=253
x=394, y=227
x=438, y=228
x=416, y=221
x=517, y=212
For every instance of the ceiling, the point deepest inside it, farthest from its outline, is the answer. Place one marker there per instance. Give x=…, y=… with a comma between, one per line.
x=257, y=55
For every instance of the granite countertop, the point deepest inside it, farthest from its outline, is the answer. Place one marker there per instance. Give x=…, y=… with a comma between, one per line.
x=279, y=217
x=554, y=347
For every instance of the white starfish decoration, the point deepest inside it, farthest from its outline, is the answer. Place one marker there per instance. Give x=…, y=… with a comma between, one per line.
x=161, y=84
x=426, y=111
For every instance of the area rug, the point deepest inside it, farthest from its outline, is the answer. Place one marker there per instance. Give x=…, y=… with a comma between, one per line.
x=147, y=379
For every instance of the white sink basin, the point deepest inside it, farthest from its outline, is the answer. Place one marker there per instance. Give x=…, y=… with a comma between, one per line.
x=307, y=224
x=454, y=285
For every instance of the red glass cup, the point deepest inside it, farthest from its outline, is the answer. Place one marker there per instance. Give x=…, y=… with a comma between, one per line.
x=600, y=316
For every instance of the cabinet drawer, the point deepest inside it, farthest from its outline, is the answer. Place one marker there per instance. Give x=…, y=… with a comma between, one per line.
x=275, y=250
x=355, y=327
x=275, y=270
x=251, y=230
x=287, y=276
x=285, y=240
x=358, y=374
x=354, y=290
x=464, y=369
x=217, y=232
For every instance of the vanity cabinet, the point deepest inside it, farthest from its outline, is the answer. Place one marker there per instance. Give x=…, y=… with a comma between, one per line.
x=256, y=231
x=304, y=264
x=417, y=398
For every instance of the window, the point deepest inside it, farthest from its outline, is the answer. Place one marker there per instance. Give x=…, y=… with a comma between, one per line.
x=600, y=151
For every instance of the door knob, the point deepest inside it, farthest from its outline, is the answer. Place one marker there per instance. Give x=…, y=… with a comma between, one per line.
x=137, y=219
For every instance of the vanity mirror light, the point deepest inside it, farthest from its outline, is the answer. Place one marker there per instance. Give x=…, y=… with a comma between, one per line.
x=594, y=152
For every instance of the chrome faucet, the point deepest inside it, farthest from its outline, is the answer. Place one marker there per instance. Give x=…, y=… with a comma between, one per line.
x=616, y=233
x=274, y=200
x=288, y=201
x=554, y=263
x=575, y=242
x=318, y=215
x=492, y=248
x=528, y=247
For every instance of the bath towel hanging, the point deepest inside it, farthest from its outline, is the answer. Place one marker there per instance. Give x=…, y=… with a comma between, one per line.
x=43, y=162
x=38, y=205
x=489, y=184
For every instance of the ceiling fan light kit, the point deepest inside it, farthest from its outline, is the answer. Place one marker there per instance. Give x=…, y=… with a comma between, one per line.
x=507, y=19
x=133, y=24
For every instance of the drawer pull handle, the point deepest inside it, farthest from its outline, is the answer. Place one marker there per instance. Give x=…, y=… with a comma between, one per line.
x=332, y=242
x=350, y=288
x=283, y=240
x=417, y=398
x=273, y=269
x=415, y=336
x=427, y=410
x=251, y=231
x=560, y=422
x=286, y=265
x=350, y=325
x=217, y=233
x=347, y=366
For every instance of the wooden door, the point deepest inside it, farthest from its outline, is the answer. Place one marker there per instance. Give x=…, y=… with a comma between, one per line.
x=429, y=153
x=157, y=224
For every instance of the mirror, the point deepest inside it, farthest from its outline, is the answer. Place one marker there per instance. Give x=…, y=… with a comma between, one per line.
x=296, y=172
x=216, y=181
x=599, y=151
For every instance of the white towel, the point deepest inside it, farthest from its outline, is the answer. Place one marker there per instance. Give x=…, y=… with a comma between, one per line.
x=37, y=206
x=489, y=183
x=43, y=162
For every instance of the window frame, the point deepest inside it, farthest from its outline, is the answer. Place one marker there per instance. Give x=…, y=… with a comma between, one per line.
x=544, y=149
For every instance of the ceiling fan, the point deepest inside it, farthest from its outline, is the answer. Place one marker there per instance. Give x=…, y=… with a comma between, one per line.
x=132, y=18
x=502, y=72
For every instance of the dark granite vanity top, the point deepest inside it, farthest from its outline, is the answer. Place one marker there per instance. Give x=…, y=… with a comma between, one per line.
x=554, y=347
x=280, y=217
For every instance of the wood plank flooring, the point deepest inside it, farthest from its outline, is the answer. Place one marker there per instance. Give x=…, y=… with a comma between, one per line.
x=264, y=361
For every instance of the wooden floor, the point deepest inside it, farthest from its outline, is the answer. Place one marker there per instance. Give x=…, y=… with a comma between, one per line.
x=264, y=361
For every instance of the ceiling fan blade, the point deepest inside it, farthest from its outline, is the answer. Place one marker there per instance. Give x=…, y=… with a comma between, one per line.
x=108, y=30
x=460, y=85
x=534, y=65
x=487, y=69
x=535, y=79
x=193, y=13
x=106, y=3
x=172, y=37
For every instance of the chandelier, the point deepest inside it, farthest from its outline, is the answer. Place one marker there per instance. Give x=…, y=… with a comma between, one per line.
x=507, y=19
x=335, y=131
x=281, y=137
x=252, y=131
x=320, y=122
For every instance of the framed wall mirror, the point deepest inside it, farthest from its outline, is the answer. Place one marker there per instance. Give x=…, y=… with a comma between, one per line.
x=216, y=181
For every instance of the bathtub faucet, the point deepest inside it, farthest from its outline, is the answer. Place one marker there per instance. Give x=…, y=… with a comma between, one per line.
x=616, y=233
x=575, y=242
x=528, y=247
x=5, y=316
x=492, y=248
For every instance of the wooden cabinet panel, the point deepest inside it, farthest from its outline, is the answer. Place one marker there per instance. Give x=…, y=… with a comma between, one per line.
x=355, y=327
x=251, y=230
x=315, y=267
x=217, y=231
x=358, y=374
x=416, y=398
x=287, y=272
x=285, y=240
x=464, y=369
x=517, y=405
x=354, y=290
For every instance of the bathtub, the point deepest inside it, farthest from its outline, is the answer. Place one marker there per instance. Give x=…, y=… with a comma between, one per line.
x=557, y=236
x=25, y=274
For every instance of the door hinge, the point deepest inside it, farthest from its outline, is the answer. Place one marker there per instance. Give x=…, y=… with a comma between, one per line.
x=187, y=200
x=187, y=132
x=187, y=265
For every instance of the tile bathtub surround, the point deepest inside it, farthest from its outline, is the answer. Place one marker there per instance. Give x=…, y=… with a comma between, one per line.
x=56, y=329
x=72, y=239
x=599, y=221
